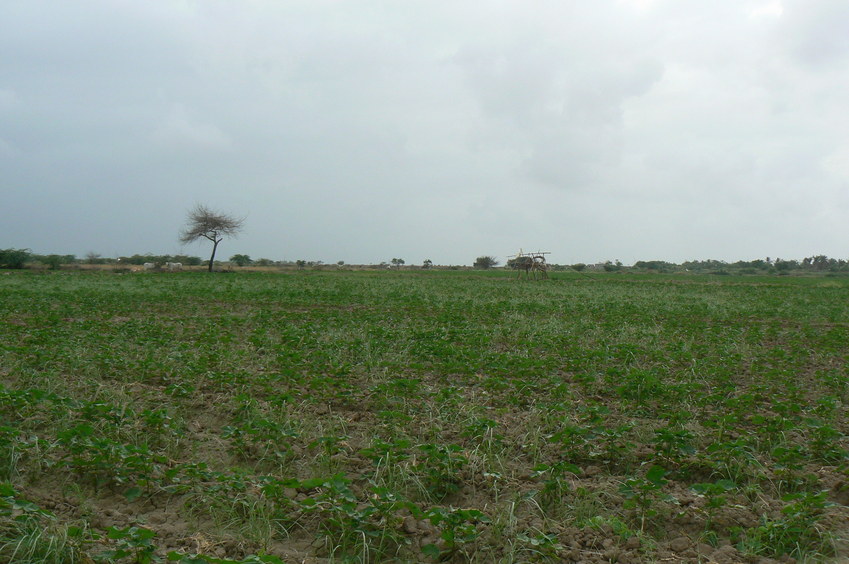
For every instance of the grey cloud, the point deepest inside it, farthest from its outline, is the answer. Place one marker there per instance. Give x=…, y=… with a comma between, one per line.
x=179, y=129
x=359, y=131
x=817, y=32
x=558, y=105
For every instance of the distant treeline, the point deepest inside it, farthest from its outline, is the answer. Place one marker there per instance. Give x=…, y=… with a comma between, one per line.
x=814, y=264
x=24, y=258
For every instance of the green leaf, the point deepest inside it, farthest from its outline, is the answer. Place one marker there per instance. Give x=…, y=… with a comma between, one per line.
x=655, y=475
x=133, y=494
x=115, y=533
x=541, y=468
x=431, y=550
x=142, y=533
x=312, y=483
x=726, y=485
x=701, y=489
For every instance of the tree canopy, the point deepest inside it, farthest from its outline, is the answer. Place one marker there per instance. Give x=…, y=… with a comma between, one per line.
x=485, y=262
x=241, y=260
x=203, y=222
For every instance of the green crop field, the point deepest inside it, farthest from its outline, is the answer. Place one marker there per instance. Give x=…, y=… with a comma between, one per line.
x=422, y=416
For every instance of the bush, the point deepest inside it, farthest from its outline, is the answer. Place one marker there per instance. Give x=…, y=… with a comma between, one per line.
x=241, y=260
x=55, y=262
x=485, y=262
x=13, y=258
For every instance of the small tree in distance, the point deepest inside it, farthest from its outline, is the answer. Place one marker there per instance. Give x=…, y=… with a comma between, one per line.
x=485, y=262
x=208, y=224
x=241, y=260
x=14, y=258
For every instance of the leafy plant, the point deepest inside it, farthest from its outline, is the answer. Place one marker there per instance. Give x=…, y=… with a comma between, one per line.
x=555, y=484
x=439, y=466
x=825, y=443
x=714, y=493
x=642, y=494
x=368, y=528
x=540, y=545
x=672, y=445
x=135, y=542
x=108, y=462
x=458, y=527
x=796, y=533
x=31, y=534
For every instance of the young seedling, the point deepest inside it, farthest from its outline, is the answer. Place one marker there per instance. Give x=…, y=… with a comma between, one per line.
x=458, y=527
x=714, y=494
x=132, y=542
x=642, y=494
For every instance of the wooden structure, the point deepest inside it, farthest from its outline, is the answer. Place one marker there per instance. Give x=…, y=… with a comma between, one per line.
x=530, y=263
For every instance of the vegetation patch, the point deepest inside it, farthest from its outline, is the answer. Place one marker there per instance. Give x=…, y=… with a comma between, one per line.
x=429, y=415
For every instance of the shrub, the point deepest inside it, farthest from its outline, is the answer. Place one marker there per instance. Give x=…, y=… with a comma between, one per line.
x=485, y=262
x=13, y=258
x=241, y=260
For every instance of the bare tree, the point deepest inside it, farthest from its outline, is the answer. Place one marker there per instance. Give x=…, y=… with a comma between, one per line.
x=209, y=224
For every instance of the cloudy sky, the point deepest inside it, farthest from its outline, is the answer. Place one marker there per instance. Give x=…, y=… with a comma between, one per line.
x=427, y=129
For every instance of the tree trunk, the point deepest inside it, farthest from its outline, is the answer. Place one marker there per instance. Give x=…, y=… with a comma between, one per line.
x=212, y=258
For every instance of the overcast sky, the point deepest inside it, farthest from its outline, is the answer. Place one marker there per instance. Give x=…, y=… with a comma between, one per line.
x=367, y=130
